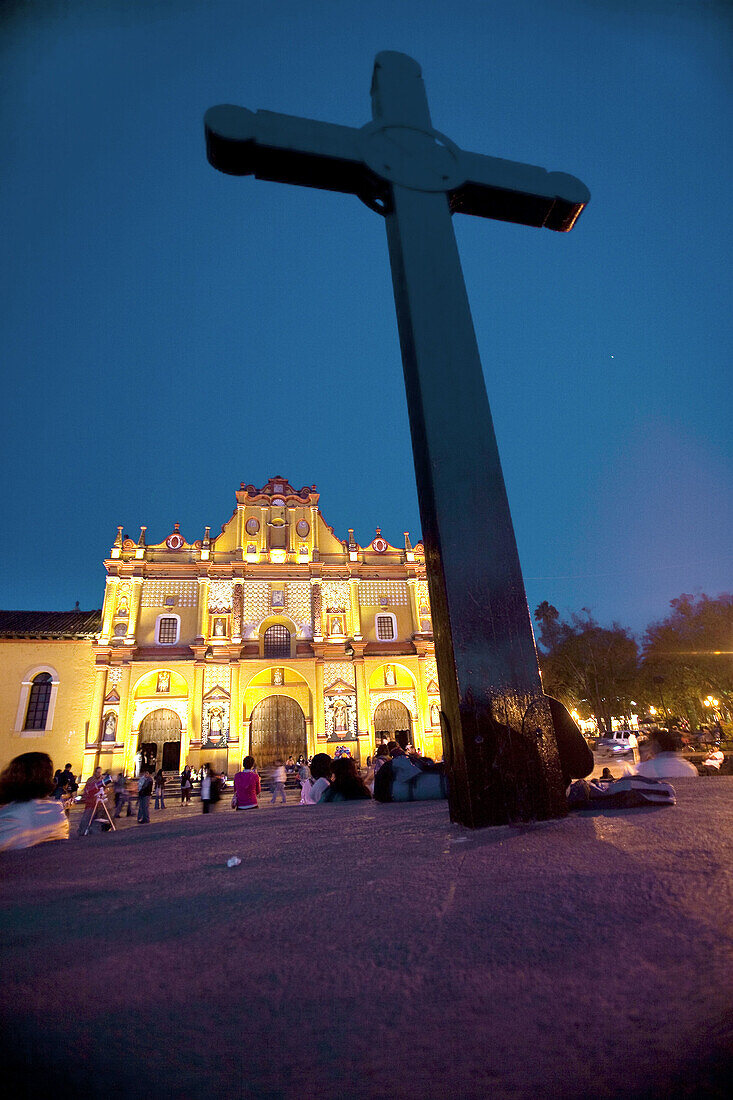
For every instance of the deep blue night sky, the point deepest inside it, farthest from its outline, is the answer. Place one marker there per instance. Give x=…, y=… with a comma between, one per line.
x=170, y=331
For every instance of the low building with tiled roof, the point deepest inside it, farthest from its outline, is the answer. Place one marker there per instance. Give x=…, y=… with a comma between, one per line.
x=50, y=624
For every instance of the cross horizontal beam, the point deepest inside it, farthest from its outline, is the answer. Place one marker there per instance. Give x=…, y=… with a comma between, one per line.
x=287, y=149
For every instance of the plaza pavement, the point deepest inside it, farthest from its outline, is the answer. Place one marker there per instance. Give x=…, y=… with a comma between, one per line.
x=362, y=950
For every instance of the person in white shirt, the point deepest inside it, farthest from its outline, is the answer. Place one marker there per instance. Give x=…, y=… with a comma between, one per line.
x=28, y=815
x=666, y=761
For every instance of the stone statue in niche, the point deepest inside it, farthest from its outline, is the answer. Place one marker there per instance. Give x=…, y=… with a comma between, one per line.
x=389, y=676
x=337, y=625
x=218, y=628
x=110, y=727
x=434, y=715
x=215, y=725
x=163, y=684
x=340, y=716
x=123, y=607
x=277, y=676
x=278, y=597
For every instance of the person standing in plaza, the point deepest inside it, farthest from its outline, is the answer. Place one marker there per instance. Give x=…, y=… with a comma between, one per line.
x=186, y=785
x=122, y=795
x=279, y=776
x=93, y=789
x=144, y=790
x=209, y=788
x=159, y=789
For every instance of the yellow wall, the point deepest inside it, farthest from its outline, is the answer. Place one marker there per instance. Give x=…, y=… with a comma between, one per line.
x=145, y=634
x=74, y=663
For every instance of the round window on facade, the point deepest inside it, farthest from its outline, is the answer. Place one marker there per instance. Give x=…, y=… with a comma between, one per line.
x=303, y=528
x=252, y=526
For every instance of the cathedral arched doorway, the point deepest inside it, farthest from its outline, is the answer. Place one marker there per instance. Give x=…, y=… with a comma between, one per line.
x=160, y=739
x=277, y=730
x=390, y=717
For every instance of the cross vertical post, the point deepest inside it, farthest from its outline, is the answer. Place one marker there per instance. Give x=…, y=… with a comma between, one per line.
x=497, y=725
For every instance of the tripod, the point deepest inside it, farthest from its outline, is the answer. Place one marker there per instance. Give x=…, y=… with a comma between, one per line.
x=100, y=805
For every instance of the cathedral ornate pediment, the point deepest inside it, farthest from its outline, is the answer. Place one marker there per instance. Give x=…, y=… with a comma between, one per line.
x=340, y=687
x=216, y=693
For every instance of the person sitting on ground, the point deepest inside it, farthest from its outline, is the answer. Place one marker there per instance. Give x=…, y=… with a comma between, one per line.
x=321, y=770
x=246, y=786
x=28, y=815
x=606, y=776
x=666, y=761
x=381, y=756
x=713, y=762
x=347, y=785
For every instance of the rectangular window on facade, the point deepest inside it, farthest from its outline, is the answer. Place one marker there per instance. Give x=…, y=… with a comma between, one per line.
x=385, y=627
x=167, y=630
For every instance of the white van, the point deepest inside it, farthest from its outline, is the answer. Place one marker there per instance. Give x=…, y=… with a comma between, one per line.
x=618, y=741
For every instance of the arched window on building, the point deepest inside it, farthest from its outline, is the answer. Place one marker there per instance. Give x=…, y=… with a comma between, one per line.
x=38, y=702
x=276, y=641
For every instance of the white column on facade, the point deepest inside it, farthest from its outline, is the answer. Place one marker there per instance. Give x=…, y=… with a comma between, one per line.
x=135, y=601
x=110, y=601
x=355, y=609
x=203, y=608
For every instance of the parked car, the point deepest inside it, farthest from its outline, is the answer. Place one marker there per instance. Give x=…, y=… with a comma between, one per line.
x=618, y=741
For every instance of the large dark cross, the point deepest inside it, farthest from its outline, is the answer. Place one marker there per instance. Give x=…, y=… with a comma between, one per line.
x=497, y=725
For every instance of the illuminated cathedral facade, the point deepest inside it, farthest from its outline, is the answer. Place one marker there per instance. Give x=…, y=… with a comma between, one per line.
x=274, y=637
